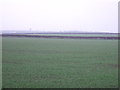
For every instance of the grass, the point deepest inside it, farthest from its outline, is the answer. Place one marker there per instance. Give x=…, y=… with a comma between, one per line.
x=59, y=63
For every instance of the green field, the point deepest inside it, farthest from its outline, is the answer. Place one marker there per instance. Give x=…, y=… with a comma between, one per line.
x=59, y=63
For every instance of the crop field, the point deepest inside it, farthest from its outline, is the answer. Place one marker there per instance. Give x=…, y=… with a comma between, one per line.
x=59, y=63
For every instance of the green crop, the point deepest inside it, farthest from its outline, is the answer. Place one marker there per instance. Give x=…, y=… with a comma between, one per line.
x=59, y=63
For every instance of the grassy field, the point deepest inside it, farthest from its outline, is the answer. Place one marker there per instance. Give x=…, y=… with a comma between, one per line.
x=59, y=63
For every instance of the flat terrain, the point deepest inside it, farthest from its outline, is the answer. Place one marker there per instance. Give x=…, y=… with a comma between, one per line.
x=59, y=63
x=91, y=35
x=66, y=35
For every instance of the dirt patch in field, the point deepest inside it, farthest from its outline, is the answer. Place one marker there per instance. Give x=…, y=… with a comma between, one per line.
x=114, y=65
x=9, y=62
x=110, y=65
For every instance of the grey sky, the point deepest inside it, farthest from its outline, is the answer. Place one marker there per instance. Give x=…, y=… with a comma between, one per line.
x=59, y=15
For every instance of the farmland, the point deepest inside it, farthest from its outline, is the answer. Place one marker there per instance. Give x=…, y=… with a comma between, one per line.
x=59, y=63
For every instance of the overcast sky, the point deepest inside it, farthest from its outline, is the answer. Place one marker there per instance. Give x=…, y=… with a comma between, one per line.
x=59, y=15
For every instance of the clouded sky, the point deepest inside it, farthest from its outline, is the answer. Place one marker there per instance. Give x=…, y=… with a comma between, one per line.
x=60, y=15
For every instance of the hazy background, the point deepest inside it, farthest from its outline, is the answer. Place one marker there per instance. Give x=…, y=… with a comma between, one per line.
x=59, y=15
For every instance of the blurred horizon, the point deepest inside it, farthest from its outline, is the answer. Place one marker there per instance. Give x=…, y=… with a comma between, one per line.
x=38, y=31
x=59, y=16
